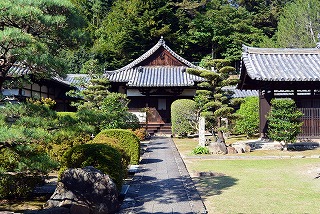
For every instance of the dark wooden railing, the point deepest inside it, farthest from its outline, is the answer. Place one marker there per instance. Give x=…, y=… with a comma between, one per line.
x=311, y=123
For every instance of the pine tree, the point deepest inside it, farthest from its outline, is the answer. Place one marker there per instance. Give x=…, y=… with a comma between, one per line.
x=212, y=100
x=33, y=34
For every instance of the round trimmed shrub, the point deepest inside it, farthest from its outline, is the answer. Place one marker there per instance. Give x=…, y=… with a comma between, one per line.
x=248, y=117
x=127, y=141
x=184, y=117
x=101, y=156
x=102, y=139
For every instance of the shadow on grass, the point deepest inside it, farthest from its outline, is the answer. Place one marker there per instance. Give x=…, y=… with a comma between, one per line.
x=214, y=185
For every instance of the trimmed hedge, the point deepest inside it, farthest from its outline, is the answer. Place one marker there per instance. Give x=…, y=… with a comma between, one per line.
x=18, y=185
x=62, y=140
x=101, y=156
x=127, y=141
x=102, y=139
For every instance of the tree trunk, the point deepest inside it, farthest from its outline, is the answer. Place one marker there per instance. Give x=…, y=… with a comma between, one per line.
x=1, y=84
x=220, y=133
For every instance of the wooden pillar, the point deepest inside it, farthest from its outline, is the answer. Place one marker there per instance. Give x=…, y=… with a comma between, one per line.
x=265, y=97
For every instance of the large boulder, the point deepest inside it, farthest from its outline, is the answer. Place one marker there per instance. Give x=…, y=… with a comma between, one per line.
x=85, y=191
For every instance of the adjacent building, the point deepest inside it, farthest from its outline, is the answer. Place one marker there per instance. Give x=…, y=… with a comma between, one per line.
x=284, y=72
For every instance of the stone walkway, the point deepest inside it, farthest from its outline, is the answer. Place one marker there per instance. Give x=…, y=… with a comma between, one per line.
x=162, y=184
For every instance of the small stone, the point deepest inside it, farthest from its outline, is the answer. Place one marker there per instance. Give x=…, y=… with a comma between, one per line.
x=231, y=150
x=298, y=156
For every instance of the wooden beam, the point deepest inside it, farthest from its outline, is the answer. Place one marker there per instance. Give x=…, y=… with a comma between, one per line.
x=265, y=97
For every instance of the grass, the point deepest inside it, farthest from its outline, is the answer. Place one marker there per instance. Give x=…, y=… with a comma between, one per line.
x=186, y=145
x=257, y=186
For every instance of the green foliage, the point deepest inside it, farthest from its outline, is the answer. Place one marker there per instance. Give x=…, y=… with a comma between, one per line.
x=200, y=150
x=95, y=91
x=283, y=120
x=265, y=14
x=220, y=29
x=93, y=11
x=26, y=123
x=66, y=114
x=248, y=117
x=299, y=24
x=25, y=134
x=101, y=156
x=103, y=139
x=115, y=108
x=18, y=186
x=47, y=102
x=64, y=139
x=184, y=117
x=103, y=109
x=34, y=32
x=127, y=140
x=118, y=39
x=26, y=158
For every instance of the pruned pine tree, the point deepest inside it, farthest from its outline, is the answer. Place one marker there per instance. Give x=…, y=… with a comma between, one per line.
x=33, y=34
x=212, y=100
x=93, y=94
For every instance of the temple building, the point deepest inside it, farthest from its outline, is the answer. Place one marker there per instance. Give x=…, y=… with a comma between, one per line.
x=155, y=80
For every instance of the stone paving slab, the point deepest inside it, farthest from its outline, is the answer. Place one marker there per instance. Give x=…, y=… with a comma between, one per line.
x=162, y=184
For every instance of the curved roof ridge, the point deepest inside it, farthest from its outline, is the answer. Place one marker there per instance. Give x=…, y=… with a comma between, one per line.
x=151, y=51
x=256, y=50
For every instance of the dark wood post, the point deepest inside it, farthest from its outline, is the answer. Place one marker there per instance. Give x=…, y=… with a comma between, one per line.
x=265, y=97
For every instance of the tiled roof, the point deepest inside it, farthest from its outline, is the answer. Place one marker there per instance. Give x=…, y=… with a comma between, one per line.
x=156, y=76
x=75, y=79
x=17, y=70
x=161, y=43
x=241, y=93
x=20, y=70
x=282, y=64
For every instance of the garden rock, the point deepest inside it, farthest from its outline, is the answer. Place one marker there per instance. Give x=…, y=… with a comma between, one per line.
x=241, y=147
x=217, y=148
x=85, y=191
x=231, y=150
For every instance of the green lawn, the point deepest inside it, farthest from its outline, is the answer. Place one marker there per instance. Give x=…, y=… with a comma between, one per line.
x=257, y=186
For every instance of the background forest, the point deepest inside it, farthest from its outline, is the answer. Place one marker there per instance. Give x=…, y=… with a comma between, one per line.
x=90, y=36
x=119, y=31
